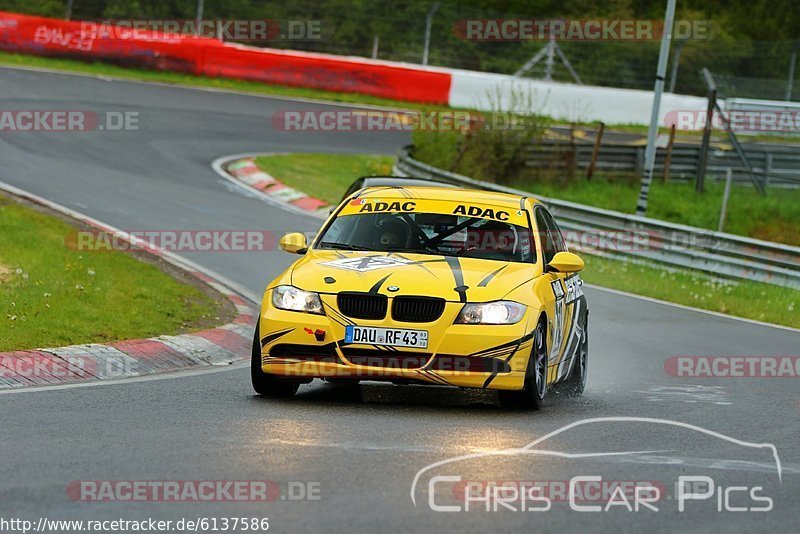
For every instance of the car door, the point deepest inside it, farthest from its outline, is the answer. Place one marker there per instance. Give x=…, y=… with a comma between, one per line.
x=568, y=308
x=550, y=288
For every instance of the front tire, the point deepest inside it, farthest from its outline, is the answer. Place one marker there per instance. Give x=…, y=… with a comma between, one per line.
x=531, y=396
x=266, y=384
x=575, y=385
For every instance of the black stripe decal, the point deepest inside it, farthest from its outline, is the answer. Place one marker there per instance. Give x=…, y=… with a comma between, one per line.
x=516, y=348
x=488, y=278
x=379, y=283
x=433, y=374
x=508, y=345
x=334, y=314
x=269, y=338
x=458, y=276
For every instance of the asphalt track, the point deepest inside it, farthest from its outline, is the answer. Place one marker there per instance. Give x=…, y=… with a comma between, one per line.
x=365, y=446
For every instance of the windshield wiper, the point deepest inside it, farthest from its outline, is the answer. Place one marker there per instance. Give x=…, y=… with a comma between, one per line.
x=412, y=250
x=341, y=246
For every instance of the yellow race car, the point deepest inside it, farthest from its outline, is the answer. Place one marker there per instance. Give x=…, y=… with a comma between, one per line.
x=423, y=285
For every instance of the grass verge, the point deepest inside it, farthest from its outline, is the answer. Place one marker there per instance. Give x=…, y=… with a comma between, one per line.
x=324, y=176
x=753, y=300
x=51, y=295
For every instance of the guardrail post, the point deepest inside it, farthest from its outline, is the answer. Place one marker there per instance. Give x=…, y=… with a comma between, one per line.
x=572, y=154
x=639, y=163
x=703, y=156
x=767, y=169
x=596, y=152
x=725, y=195
x=668, y=156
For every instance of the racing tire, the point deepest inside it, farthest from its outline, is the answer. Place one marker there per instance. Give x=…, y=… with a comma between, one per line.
x=576, y=383
x=531, y=396
x=266, y=384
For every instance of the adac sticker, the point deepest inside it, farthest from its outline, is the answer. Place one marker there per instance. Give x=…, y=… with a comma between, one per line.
x=367, y=263
x=482, y=212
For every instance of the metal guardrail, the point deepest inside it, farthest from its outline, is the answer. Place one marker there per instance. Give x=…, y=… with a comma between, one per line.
x=776, y=107
x=781, y=163
x=619, y=234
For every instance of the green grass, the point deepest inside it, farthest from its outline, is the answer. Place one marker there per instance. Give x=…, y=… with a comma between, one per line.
x=317, y=173
x=51, y=295
x=324, y=176
x=752, y=300
x=774, y=217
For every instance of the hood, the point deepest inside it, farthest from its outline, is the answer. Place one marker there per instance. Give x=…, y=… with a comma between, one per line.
x=454, y=279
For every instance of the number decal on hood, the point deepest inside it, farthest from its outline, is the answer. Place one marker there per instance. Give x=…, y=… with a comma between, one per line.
x=368, y=263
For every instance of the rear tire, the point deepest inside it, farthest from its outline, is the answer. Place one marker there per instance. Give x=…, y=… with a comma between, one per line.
x=266, y=384
x=575, y=385
x=531, y=396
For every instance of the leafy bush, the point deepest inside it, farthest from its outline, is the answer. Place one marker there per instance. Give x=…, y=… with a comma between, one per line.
x=494, y=148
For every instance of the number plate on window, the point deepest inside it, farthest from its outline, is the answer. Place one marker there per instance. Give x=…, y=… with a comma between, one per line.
x=392, y=337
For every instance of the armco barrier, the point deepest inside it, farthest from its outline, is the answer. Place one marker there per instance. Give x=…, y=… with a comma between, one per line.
x=52, y=37
x=675, y=245
x=780, y=163
x=387, y=79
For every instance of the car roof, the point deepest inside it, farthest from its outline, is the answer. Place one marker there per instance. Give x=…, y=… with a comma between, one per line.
x=474, y=196
x=390, y=181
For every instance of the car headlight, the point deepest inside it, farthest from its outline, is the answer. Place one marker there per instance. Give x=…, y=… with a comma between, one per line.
x=499, y=312
x=293, y=299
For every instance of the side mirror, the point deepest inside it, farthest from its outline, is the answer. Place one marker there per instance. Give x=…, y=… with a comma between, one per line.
x=565, y=262
x=294, y=243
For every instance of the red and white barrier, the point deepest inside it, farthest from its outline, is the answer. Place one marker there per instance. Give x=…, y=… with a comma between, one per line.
x=387, y=79
x=203, y=56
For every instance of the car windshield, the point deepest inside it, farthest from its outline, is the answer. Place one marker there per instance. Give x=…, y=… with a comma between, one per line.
x=430, y=233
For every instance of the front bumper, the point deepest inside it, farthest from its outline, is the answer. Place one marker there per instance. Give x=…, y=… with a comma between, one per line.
x=302, y=345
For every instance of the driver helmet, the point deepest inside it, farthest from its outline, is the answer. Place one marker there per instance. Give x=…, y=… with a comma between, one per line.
x=392, y=232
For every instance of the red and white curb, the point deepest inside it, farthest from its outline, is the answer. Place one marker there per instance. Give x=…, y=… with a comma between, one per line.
x=242, y=170
x=219, y=346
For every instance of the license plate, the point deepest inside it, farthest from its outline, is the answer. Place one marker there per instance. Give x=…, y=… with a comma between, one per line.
x=392, y=337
